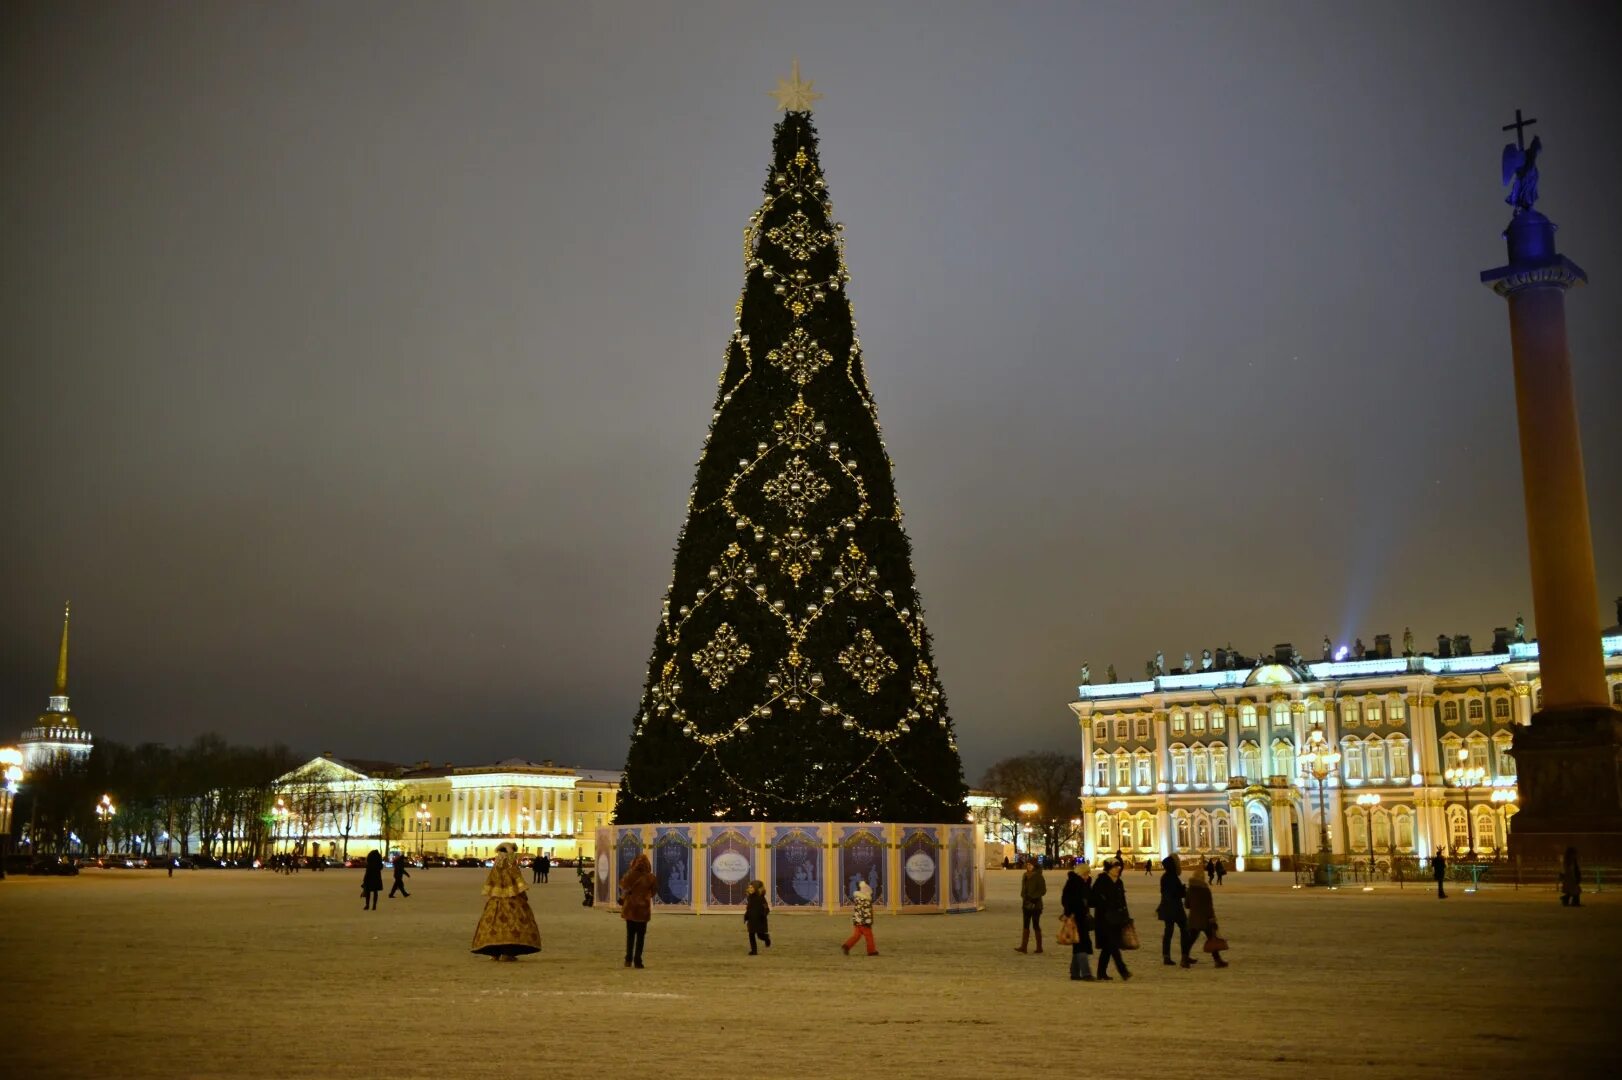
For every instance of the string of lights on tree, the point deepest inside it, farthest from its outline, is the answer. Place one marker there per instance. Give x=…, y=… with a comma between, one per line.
x=792, y=674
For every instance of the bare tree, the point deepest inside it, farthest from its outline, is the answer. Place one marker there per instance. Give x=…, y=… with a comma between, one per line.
x=1050, y=780
x=390, y=800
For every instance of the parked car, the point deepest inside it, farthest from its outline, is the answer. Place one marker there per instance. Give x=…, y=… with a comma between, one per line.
x=54, y=866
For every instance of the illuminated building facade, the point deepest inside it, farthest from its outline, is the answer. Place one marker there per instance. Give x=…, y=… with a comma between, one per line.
x=1209, y=762
x=330, y=804
x=57, y=732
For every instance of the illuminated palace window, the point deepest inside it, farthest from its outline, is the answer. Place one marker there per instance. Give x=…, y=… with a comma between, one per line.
x=1183, y=842
x=1202, y=835
x=1486, y=828
x=1397, y=747
x=1219, y=765
x=1178, y=724
x=1247, y=716
x=1351, y=759
x=1120, y=729
x=1450, y=712
x=1222, y=832
x=1101, y=730
x=1476, y=711
x=1202, y=770
x=1375, y=754
x=1101, y=772
x=1405, y=832
x=1502, y=742
x=1219, y=720
x=1179, y=765
x=1146, y=833
x=1399, y=712
x=1258, y=833
x=1145, y=770
x=1143, y=727
x=1458, y=828
x=1199, y=721
x=1283, y=759
x=1103, y=832
x=1250, y=761
x=1500, y=708
x=1350, y=715
x=1372, y=715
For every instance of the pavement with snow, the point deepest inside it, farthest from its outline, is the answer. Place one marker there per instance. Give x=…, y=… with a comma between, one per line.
x=249, y=974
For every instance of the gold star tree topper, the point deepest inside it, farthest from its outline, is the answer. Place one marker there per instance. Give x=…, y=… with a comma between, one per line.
x=793, y=95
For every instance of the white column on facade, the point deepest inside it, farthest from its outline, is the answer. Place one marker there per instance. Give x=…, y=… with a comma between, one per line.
x=552, y=810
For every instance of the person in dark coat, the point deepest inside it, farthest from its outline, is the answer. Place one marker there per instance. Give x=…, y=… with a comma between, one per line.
x=1439, y=872
x=1221, y=869
x=546, y=868
x=636, y=906
x=400, y=874
x=1032, y=887
x=371, y=882
x=1202, y=913
x=1109, y=903
x=1571, y=880
x=1075, y=901
x=588, y=882
x=535, y=870
x=755, y=915
x=1171, y=913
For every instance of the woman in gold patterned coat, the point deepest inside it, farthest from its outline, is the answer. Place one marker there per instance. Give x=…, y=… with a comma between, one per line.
x=507, y=928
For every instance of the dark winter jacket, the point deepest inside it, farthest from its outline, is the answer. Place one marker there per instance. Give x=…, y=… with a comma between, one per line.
x=636, y=891
x=1172, y=891
x=1571, y=877
x=400, y=871
x=1109, y=901
x=755, y=912
x=1439, y=867
x=1032, y=887
x=1076, y=898
x=372, y=880
x=1201, y=909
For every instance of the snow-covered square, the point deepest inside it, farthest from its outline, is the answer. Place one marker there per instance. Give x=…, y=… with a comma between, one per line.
x=248, y=974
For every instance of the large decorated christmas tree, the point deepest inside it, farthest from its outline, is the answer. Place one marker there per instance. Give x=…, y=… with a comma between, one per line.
x=792, y=677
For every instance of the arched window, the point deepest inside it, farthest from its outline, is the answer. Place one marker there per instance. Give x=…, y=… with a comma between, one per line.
x=1179, y=723
x=1219, y=764
x=1146, y=833
x=1123, y=829
x=1405, y=831
x=1372, y=714
x=1143, y=727
x=1397, y=747
x=1399, y=711
x=1351, y=759
x=1179, y=764
x=1374, y=752
x=1476, y=711
x=1247, y=716
x=1202, y=767
x=1183, y=842
x=1450, y=712
x=1283, y=759
x=1100, y=730
x=1198, y=720
x=1146, y=769
x=1350, y=714
x=1202, y=834
x=1258, y=833
x=1357, y=830
x=1478, y=753
x=1104, y=832
x=1503, y=742
x=1500, y=708
x=1250, y=761
x=1120, y=730
x=1382, y=832
x=1281, y=715
x=1219, y=720
x=1458, y=828
x=1220, y=827
x=1486, y=829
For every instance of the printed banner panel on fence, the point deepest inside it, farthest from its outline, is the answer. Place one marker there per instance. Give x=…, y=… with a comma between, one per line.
x=962, y=865
x=862, y=852
x=920, y=866
x=673, y=865
x=796, y=865
x=731, y=865
x=627, y=846
x=603, y=865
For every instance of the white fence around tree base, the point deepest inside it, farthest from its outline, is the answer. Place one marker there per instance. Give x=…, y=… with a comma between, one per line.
x=814, y=867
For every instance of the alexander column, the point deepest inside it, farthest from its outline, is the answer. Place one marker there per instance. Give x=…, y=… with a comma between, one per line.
x=1569, y=759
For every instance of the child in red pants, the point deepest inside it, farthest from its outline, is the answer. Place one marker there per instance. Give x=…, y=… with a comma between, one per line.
x=861, y=921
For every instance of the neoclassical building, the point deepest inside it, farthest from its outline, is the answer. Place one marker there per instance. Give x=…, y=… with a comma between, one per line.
x=57, y=732
x=330, y=803
x=1210, y=761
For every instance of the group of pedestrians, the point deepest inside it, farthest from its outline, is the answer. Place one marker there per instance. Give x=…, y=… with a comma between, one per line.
x=371, y=880
x=1100, y=906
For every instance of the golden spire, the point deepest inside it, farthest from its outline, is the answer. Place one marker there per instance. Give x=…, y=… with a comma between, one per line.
x=793, y=95
x=62, y=659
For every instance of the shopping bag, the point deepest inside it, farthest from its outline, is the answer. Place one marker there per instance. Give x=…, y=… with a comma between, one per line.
x=1067, y=931
x=1129, y=936
x=1214, y=941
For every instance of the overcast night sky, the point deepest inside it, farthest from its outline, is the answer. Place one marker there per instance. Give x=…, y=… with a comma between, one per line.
x=356, y=357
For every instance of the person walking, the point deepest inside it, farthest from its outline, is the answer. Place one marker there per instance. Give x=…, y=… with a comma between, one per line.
x=371, y=881
x=636, y=906
x=1075, y=900
x=1221, y=869
x=587, y=883
x=1202, y=914
x=1032, y=887
x=535, y=869
x=1109, y=901
x=1171, y=913
x=861, y=920
x=755, y=915
x=1439, y=872
x=546, y=867
x=400, y=874
x=506, y=927
x=1571, y=880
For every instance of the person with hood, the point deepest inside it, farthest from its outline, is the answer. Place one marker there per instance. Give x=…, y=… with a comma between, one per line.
x=1032, y=887
x=861, y=920
x=1202, y=913
x=400, y=874
x=1075, y=901
x=507, y=927
x=636, y=906
x=755, y=914
x=371, y=882
x=1439, y=872
x=1109, y=901
x=1171, y=913
x=1571, y=880
x=588, y=883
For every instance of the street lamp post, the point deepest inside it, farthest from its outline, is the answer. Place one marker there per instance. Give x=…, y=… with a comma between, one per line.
x=1026, y=809
x=423, y=814
x=1320, y=760
x=1505, y=798
x=1467, y=777
x=105, y=811
x=1368, y=801
x=1115, y=807
x=11, y=771
x=278, y=814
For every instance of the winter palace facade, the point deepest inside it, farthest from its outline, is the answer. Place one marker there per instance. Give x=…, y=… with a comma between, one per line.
x=1210, y=761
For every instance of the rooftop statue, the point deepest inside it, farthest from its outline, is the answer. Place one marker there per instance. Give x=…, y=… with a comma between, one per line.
x=1520, y=165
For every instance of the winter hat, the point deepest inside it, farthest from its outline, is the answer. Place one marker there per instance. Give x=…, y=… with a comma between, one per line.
x=863, y=889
